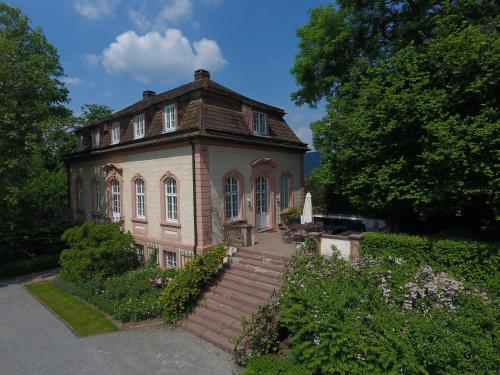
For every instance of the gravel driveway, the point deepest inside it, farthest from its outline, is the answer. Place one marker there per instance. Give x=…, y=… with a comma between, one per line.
x=34, y=341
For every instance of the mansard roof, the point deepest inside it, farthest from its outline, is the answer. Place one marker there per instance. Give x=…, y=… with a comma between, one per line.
x=206, y=107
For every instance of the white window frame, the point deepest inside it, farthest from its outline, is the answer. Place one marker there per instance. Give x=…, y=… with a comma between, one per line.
x=232, y=197
x=81, y=196
x=116, y=200
x=139, y=126
x=169, y=117
x=259, y=123
x=115, y=133
x=97, y=196
x=79, y=142
x=170, y=259
x=140, y=252
x=96, y=137
x=284, y=193
x=171, y=199
x=140, y=199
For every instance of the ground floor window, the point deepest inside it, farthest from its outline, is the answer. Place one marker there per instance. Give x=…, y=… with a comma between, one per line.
x=170, y=259
x=140, y=252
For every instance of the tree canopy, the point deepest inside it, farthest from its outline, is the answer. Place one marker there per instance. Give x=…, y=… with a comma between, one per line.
x=412, y=125
x=36, y=131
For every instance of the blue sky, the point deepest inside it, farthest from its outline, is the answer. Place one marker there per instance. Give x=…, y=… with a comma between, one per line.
x=112, y=50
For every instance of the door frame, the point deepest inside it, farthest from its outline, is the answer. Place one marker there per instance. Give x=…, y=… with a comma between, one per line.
x=264, y=168
x=268, y=216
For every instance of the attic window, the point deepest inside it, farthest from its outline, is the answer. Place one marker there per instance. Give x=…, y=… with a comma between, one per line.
x=95, y=137
x=139, y=126
x=79, y=142
x=259, y=123
x=169, y=120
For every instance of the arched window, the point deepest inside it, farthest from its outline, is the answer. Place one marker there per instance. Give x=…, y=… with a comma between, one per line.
x=285, y=192
x=232, y=193
x=115, y=200
x=171, y=198
x=81, y=198
x=140, y=210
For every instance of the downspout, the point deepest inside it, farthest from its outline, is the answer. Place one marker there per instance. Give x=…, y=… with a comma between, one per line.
x=194, y=196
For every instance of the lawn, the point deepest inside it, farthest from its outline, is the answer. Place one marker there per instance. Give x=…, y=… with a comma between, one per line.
x=84, y=319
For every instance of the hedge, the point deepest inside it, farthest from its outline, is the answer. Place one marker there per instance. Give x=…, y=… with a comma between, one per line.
x=23, y=267
x=475, y=261
x=271, y=365
x=182, y=293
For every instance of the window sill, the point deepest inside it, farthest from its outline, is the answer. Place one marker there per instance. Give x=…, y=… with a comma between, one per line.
x=139, y=220
x=171, y=224
x=169, y=130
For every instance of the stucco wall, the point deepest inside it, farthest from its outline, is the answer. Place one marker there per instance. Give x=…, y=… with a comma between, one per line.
x=343, y=245
x=152, y=166
x=224, y=159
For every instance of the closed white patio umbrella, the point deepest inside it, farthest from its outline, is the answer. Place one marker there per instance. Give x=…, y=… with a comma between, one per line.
x=307, y=212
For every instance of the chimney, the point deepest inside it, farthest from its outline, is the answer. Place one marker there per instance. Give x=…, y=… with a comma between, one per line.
x=200, y=74
x=148, y=94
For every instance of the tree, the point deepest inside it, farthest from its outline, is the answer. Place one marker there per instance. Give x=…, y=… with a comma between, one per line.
x=412, y=127
x=31, y=94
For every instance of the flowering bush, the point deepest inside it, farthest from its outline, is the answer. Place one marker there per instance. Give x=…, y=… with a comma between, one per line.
x=131, y=296
x=385, y=314
x=475, y=262
x=182, y=293
x=260, y=333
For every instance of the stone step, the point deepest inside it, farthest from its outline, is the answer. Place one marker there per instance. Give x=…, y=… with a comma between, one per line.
x=249, y=254
x=239, y=297
x=213, y=337
x=214, y=325
x=220, y=298
x=256, y=263
x=223, y=308
x=258, y=285
x=240, y=288
x=219, y=318
x=257, y=270
x=253, y=276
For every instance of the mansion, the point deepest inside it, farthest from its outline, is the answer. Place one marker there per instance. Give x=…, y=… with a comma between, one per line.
x=177, y=167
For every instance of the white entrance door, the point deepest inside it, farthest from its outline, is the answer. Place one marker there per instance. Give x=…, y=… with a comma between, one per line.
x=261, y=206
x=116, y=200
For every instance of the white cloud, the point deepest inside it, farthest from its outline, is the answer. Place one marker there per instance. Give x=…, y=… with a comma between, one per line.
x=72, y=80
x=170, y=13
x=168, y=57
x=305, y=135
x=176, y=10
x=95, y=9
x=91, y=59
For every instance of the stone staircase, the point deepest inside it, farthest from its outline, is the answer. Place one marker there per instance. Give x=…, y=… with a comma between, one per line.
x=248, y=280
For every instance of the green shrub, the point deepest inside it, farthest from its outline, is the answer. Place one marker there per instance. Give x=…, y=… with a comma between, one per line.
x=476, y=262
x=182, y=293
x=97, y=250
x=132, y=296
x=385, y=315
x=260, y=334
x=292, y=215
x=22, y=267
x=271, y=365
x=390, y=244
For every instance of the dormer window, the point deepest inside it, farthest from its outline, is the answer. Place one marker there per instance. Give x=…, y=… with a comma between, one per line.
x=139, y=126
x=79, y=142
x=259, y=123
x=169, y=119
x=115, y=133
x=95, y=137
